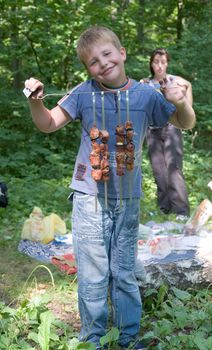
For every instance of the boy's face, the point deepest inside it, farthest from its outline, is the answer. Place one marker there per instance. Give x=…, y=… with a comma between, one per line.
x=105, y=63
x=159, y=65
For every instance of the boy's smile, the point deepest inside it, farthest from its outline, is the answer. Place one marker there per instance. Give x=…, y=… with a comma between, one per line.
x=105, y=63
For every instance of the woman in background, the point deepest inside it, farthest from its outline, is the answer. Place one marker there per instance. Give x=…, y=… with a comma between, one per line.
x=165, y=145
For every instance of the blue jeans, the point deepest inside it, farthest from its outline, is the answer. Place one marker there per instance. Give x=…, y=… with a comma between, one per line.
x=105, y=245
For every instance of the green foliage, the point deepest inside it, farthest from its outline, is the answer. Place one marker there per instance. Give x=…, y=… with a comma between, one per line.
x=31, y=324
x=181, y=321
x=44, y=334
x=41, y=41
x=191, y=59
x=23, y=148
x=111, y=338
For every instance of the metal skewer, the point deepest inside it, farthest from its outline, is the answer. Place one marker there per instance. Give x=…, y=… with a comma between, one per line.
x=27, y=92
x=128, y=119
x=103, y=127
x=94, y=123
x=119, y=123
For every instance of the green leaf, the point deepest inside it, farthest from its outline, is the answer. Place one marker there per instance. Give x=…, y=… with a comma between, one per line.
x=33, y=336
x=182, y=318
x=4, y=342
x=200, y=342
x=164, y=328
x=150, y=291
x=44, y=329
x=8, y=310
x=86, y=346
x=110, y=337
x=73, y=343
x=182, y=295
x=161, y=294
x=148, y=335
x=209, y=342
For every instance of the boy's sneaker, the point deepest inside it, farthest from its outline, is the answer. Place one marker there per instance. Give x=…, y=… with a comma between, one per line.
x=139, y=346
x=181, y=217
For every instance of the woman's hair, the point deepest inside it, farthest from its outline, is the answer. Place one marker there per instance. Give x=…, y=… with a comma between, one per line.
x=92, y=35
x=160, y=51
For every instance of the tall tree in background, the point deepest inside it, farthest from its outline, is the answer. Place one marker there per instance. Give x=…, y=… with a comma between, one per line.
x=39, y=38
x=179, y=19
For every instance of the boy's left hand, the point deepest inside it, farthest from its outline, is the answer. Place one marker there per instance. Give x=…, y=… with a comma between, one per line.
x=174, y=90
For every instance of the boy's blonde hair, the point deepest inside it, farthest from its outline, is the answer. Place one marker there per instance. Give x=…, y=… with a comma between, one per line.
x=92, y=35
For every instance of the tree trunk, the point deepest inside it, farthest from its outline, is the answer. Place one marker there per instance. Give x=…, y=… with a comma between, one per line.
x=16, y=63
x=179, y=19
x=141, y=35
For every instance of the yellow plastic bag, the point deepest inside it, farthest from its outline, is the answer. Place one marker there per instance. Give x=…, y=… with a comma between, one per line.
x=42, y=229
x=53, y=225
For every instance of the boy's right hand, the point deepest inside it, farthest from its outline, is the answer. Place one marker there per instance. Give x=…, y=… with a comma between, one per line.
x=173, y=90
x=35, y=87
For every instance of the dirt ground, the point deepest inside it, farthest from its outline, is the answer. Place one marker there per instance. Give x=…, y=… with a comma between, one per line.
x=17, y=281
x=63, y=304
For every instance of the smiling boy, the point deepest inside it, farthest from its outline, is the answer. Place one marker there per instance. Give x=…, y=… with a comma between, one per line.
x=105, y=240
